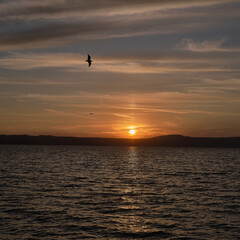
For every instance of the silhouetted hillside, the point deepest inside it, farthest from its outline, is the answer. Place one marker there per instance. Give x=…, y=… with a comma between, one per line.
x=162, y=141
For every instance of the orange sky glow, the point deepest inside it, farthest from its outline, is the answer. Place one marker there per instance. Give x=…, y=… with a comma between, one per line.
x=158, y=68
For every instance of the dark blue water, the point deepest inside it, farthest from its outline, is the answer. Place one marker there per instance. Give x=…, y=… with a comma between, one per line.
x=64, y=192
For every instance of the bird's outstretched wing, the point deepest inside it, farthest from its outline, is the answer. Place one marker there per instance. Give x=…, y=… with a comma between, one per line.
x=89, y=60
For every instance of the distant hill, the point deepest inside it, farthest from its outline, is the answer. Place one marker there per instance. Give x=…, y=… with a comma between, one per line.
x=161, y=141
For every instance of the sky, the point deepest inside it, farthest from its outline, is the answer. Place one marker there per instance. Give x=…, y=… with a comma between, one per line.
x=159, y=67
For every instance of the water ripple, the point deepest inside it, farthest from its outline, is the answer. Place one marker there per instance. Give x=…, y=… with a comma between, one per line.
x=64, y=192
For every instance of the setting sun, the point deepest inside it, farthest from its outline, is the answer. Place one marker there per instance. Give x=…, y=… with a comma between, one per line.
x=132, y=132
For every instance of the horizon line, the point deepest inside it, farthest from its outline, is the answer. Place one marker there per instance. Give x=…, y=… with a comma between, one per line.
x=128, y=138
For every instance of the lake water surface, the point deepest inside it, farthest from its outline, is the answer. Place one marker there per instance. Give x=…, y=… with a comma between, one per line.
x=76, y=192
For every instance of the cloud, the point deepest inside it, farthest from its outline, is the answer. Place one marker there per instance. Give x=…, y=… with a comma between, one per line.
x=49, y=32
x=205, y=100
x=29, y=61
x=57, y=34
x=152, y=85
x=150, y=110
x=122, y=115
x=50, y=8
x=205, y=46
x=131, y=64
x=52, y=23
x=134, y=68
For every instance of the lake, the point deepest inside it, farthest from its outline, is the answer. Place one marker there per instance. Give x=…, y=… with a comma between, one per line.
x=86, y=192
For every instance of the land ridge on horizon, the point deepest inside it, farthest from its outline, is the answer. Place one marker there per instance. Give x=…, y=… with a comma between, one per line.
x=160, y=141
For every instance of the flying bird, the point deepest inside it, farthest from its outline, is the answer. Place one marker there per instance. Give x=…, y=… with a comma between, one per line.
x=89, y=60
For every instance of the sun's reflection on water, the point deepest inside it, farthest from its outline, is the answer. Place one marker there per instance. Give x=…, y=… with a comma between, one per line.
x=131, y=206
x=132, y=159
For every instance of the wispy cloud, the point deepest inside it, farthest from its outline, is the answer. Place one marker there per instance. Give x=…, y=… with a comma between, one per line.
x=147, y=82
x=152, y=63
x=50, y=8
x=205, y=46
x=58, y=22
x=20, y=61
x=122, y=115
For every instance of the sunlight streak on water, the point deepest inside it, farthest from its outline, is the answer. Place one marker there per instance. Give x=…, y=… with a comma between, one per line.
x=64, y=192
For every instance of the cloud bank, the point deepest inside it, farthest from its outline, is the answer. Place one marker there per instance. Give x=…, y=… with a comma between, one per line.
x=30, y=24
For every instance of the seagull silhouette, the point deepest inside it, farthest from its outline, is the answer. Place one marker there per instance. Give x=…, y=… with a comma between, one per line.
x=89, y=60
